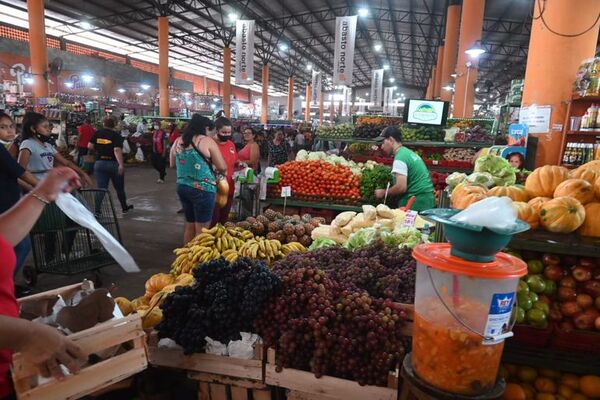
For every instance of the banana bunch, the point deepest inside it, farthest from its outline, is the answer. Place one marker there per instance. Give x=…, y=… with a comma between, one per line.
x=292, y=247
x=221, y=238
x=261, y=248
x=230, y=255
x=188, y=257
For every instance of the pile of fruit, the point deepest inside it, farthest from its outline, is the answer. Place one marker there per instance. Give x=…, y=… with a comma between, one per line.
x=368, y=131
x=378, y=120
x=423, y=133
x=360, y=149
x=319, y=180
x=336, y=131
x=565, y=289
x=229, y=243
x=223, y=302
x=376, y=178
x=457, y=154
x=553, y=198
x=324, y=321
x=439, y=180
x=286, y=229
x=529, y=383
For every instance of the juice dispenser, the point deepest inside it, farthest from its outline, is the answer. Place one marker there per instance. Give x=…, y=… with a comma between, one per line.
x=463, y=306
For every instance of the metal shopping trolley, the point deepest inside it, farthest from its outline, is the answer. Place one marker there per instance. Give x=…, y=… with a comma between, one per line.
x=61, y=246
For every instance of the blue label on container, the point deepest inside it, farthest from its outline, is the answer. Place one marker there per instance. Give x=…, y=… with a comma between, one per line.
x=498, y=320
x=502, y=303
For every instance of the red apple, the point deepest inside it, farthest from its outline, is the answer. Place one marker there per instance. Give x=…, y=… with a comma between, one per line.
x=566, y=326
x=596, y=274
x=550, y=259
x=597, y=324
x=555, y=314
x=566, y=293
x=569, y=309
x=586, y=319
x=592, y=288
x=584, y=301
x=568, y=281
x=569, y=261
x=554, y=273
x=587, y=262
x=544, y=299
x=581, y=274
x=597, y=303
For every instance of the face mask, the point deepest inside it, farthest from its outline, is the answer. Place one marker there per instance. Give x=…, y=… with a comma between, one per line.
x=44, y=139
x=6, y=143
x=223, y=138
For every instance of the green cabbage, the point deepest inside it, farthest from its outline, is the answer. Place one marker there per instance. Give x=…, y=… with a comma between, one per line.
x=503, y=173
x=455, y=178
x=481, y=178
x=302, y=155
x=404, y=237
x=321, y=242
x=361, y=238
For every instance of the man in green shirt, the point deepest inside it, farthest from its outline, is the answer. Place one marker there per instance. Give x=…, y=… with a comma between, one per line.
x=411, y=176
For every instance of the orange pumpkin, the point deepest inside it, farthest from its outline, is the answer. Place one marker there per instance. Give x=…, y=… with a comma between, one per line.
x=591, y=224
x=562, y=215
x=537, y=202
x=585, y=174
x=156, y=283
x=597, y=188
x=544, y=180
x=464, y=196
x=516, y=192
x=579, y=189
x=526, y=213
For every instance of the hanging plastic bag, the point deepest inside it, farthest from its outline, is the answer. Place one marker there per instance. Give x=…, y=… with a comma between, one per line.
x=492, y=212
x=81, y=215
x=126, y=148
x=139, y=155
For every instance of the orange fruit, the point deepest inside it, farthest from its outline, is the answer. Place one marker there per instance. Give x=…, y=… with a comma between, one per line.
x=545, y=396
x=570, y=380
x=529, y=391
x=578, y=396
x=514, y=392
x=565, y=391
x=545, y=385
x=527, y=374
x=550, y=373
x=590, y=385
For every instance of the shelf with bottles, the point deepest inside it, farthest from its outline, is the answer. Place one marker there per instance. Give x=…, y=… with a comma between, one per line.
x=576, y=153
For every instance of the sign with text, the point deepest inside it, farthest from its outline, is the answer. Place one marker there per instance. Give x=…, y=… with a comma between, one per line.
x=343, y=59
x=315, y=97
x=286, y=191
x=377, y=88
x=244, y=52
x=537, y=118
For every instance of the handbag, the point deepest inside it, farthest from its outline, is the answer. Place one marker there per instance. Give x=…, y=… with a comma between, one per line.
x=222, y=184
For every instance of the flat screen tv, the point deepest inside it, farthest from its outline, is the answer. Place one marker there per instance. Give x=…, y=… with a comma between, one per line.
x=426, y=112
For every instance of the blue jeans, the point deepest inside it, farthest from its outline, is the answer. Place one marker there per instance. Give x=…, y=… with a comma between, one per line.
x=22, y=250
x=105, y=171
x=197, y=204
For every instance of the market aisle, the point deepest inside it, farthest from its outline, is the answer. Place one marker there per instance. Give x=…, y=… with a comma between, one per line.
x=150, y=233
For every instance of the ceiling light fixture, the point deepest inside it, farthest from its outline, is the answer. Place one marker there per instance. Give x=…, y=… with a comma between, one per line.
x=69, y=84
x=120, y=90
x=87, y=78
x=309, y=66
x=189, y=103
x=86, y=25
x=386, y=66
x=477, y=89
x=448, y=87
x=283, y=47
x=139, y=94
x=476, y=50
x=453, y=75
x=145, y=86
x=377, y=47
x=392, y=80
x=363, y=12
x=28, y=81
x=233, y=17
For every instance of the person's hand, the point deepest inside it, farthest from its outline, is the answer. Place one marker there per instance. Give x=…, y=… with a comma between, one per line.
x=120, y=170
x=58, y=180
x=47, y=348
x=380, y=193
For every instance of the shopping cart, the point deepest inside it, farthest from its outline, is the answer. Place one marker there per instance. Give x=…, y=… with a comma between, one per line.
x=61, y=246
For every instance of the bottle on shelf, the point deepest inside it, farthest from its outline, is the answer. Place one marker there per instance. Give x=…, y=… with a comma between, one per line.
x=593, y=116
x=585, y=121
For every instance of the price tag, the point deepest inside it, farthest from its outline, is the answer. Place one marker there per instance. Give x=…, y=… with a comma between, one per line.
x=435, y=162
x=410, y=218
x=286, y=191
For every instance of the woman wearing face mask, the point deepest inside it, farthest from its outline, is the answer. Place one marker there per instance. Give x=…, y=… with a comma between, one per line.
x=194, y=154
x=160, y=141
x=37, y=155
x=230, y=155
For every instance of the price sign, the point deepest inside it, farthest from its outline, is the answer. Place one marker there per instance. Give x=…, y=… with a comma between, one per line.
x=286, y=191
x=410, y=218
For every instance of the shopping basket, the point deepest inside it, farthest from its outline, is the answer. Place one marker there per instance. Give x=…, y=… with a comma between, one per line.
x=61, y=246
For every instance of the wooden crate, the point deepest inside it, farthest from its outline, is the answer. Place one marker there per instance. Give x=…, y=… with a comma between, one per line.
x=205, y=363
x=221, y=387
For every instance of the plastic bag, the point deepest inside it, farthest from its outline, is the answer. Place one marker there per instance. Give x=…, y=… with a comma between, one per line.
x=126, y=148
x=492, y=212
x=78, y=213
x=243, y=348
x=139, y=155
x=481, y=178
x=215, y=347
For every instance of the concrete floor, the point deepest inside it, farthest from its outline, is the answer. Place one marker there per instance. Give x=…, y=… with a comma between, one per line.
x=150, y=232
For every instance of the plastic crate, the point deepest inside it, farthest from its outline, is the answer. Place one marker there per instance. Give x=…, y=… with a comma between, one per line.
x=531, y=336
x=580, y=341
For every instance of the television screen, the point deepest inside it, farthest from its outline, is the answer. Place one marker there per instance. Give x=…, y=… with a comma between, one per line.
x=426, y=112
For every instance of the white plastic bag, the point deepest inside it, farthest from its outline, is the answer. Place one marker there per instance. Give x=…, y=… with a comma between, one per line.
x=126, y=148
x=139, y=155
x=492, y=212
x=215, y=347
x=78, y=213
x=243, y=348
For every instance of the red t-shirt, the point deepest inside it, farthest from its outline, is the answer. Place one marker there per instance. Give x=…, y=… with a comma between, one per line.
x=230, y=156
x=86, y=131
x=8, y=307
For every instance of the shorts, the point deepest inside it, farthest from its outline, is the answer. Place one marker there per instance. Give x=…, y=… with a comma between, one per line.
x=197, y=204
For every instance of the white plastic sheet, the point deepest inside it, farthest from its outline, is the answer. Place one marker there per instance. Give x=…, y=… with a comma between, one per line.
x=78, y=213
x=492, y=212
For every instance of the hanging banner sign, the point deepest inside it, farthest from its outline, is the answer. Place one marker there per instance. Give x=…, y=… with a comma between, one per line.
x=343, y=59
x=316, y=88
x=376, y=88
x=388, y=93
x=244, y=52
